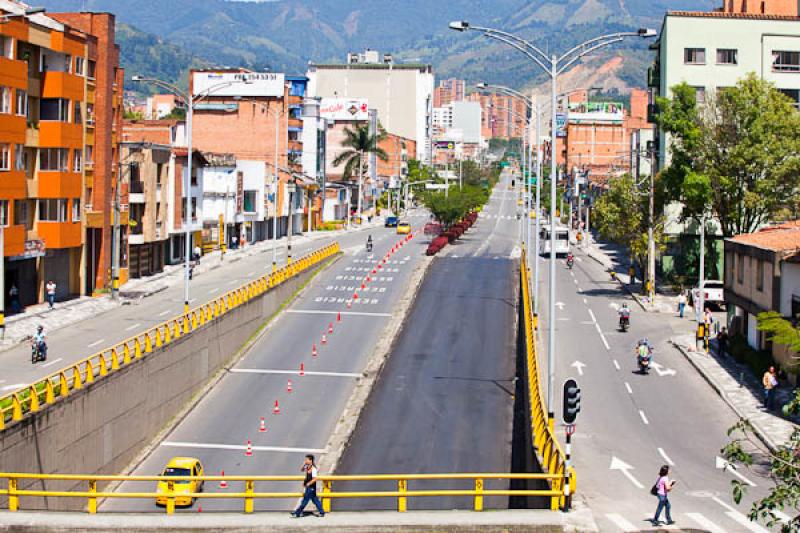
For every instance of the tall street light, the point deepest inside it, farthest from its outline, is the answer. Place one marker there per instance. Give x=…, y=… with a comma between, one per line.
x=191, y=100
x=553, y=65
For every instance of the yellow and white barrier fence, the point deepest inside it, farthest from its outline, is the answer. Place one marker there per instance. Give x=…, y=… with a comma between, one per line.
x=549, y=452
x=48, y=390
x=476, y=487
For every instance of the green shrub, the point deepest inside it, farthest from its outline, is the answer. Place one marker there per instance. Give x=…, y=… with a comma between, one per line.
x=757, y=360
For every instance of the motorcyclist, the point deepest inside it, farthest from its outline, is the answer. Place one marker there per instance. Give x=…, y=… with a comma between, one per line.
x=643, y=349
x=624, y=314
x=570, y=259
x=369, y=243
x=40, y=342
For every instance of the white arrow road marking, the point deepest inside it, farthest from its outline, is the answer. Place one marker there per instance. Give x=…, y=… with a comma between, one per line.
x=724, y=465
x=625, y=468
x=579, y=366
x=661, y=370
x=666, y=458
x=560, y=306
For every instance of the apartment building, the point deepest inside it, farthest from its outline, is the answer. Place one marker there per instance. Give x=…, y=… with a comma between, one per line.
x=449, y=91
x=502, y=117
x=60, y=88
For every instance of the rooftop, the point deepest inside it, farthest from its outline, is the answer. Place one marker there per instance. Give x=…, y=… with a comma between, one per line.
x=780, y=238
x=724, y=15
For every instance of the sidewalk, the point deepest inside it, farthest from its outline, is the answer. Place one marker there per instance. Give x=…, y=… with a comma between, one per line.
x=20, y=326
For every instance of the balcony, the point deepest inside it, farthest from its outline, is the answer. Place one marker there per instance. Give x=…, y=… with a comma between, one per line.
x=55, y=134
x=13, y=240
x=59, y=184
x=62, y=85
x=60, y=234
x=13, y=185
x=296, y=123
x=12, y=128
x=14, y=73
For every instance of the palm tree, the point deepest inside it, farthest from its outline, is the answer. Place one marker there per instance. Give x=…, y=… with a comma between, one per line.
x=359, y=143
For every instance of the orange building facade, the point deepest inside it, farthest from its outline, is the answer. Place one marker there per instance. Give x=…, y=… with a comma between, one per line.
x=49, y=139
x=502, y=117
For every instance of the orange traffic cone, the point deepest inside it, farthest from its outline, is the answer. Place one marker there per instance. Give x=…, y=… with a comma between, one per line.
x=223, y=484
x=355, y=296
x=289, y=386
x=349, y=304
x=302, y=369
x=314, y=350
x=249, y=450
x=262, y=427
x=199, y=508
x=338, y=317
x=330, y=328
x=369, y=279
x=276, y=410
x=363, y=286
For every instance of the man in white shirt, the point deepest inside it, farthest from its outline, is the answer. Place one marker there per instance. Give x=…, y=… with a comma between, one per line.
x=50, y=289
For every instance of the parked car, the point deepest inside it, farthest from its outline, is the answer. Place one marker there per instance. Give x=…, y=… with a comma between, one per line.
x=391, y=222
x=179, y=468
x=713, y=294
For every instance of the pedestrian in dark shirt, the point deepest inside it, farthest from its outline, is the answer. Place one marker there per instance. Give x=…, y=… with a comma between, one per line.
x=309, y=488
x=722, y=342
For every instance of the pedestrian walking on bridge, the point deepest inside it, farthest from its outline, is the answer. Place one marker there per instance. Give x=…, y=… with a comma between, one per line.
x=661, y=489
x=309, y=488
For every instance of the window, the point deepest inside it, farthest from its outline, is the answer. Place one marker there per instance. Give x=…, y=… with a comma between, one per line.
x=89, y=113
x=249, y=203
x=5, y=100
x=22, y=213
x=694, y=56
x=700, y=95
x=759, y=275
x=54, y=109
x=89, y=156
x=77, y=160
x=785, y=61
x=80, y=66
x=7, y=46
x=22, y=103
x=53, y=159
x=92, y=66
x=76, y=209
x=4, y=213
x=5, y=156
x=53, y=210
x=740, y=269
x=20, y=157
x=77, y=115
x=727, y=56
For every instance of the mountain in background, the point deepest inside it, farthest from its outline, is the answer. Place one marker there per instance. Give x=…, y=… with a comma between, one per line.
x=284, y=35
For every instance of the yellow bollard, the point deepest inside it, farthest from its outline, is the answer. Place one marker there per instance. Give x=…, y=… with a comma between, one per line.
x=126, y=354
x=103, y=366
x=77, y=380
x=326, y=502
x=177, y=331
x=34, y=398
x=148, y=344
x=16, y=407
x=401, y=500
x=92, y=507
x=90, y=369
x=64, y=385
x=194, y=321
x=137, y=348
x=478, y=506
x=186, y=324
x=49, y=393
x=13, y=499
x=248, y=500
x=170, y=497
x=114, y=359
x=167, y=334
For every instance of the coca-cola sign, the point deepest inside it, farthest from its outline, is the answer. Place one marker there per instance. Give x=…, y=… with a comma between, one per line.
x=344, y=109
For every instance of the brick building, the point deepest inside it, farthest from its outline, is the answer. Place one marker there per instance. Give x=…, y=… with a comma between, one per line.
x=449, y=91
x=59, y=99
x=787, y=8
x=501, y=115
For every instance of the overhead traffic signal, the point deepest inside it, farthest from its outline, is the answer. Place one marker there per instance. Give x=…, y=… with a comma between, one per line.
x=572, y=401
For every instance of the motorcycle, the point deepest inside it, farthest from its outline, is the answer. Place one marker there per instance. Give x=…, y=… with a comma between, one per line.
x=570, y=262
x=644, y=362
x=369, y=246
x=624, y=323
x=38, y=353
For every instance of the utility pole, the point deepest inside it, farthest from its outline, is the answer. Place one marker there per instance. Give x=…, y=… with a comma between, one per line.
x=651, y=242
x=290, y=189
x=116, y=238
x=702, y=281
x=3, y=282
x=360, y=183
x=275, y=192
x=537, y=229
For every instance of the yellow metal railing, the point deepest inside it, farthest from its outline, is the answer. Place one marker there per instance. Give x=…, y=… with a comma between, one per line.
x=546, y=445
x=48, y=390
x=477, y=483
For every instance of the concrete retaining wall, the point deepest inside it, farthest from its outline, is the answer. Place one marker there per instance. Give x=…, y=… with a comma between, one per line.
x=103, y=427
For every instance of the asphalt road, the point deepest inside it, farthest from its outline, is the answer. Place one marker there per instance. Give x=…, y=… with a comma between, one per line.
x=444, y=402
x=78, y=341
x=631, y=424
x=217, y=429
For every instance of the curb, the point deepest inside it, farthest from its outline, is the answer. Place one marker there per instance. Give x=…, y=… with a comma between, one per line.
x=762, y=436
x=624, y=286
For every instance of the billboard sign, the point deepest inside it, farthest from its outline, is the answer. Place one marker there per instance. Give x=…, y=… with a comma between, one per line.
x=344, y=109
x=596, y=111
x=444, y=145
x=32, y=249
x=561, y=125
x=238, y=83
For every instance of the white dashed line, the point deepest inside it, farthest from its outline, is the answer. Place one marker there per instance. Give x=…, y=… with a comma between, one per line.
x=134, y=326
x=54, y=361
x=616, y=364
x=644, y=418
x=241, y=447
x=666, y=458
x=628, y=388
x=15, y=386
x=162, y=313
x=591, y=314
x=585, y=301
x=95, y=343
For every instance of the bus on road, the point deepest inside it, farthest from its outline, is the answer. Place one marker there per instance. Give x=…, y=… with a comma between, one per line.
x=562, y=240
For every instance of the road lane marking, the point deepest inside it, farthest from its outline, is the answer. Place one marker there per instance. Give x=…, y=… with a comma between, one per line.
x=783, y=517
x=95, y=343
x=307, y=373
x=722, y=464
x=134, y=326
x=705, y=523
x=241, y=447
x=616, y=364
x=576, y=281
x=603, y=337
x=666, y=458
x=585, y=301
x=54, y=361
x=591, y=314
x=333, y=312
x=14, y=386
x=628, y=386
x=736, y=516
x=625, y=468
x=644, y=418
x=579, y=366
x=621, y=522
x=212, y=291
x=250, y=273
x=162, y=313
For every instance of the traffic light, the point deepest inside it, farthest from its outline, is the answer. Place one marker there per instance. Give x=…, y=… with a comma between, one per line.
x=572, y=401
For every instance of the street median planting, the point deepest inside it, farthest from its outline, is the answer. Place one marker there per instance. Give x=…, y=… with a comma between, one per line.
x=453, y=233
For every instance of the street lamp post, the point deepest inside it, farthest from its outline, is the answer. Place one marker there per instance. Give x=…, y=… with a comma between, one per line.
x=191, y=101
x=553, y=65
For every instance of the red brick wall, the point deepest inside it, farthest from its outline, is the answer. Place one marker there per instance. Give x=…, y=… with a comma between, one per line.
x=766, y=7
x=153, y=131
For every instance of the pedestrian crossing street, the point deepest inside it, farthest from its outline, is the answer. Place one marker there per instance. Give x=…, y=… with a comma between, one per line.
x=730, y=521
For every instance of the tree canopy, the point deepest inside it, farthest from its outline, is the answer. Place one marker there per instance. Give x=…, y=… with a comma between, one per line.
x=358, y=143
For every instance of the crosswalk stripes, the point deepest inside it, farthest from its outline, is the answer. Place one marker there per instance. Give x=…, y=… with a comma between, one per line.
x=744, y=522
x=684, y=520
x=705, y=523
x=621, y=522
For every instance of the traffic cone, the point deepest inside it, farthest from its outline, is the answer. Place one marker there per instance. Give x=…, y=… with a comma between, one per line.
x=289, y=386
x=362, y=286
x=380, y=267
x=330, y=328
x=355, y=296
x=199, y=508
x=249, y=450
x=373, y=271
x=324, y=339
x=349, y=304
x=314, y=350
x=302, y=369
x=369, y=279
x=222, y=483
x=276, y=410
x=338, y=317
x=262, y=427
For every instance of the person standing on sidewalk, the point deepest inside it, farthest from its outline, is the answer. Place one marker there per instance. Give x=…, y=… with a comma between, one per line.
x=309, y=488
x=50, y=289
x=770, y=382
x=681, y=303
x=661, y=489
x=13, y=293
x=722, y=342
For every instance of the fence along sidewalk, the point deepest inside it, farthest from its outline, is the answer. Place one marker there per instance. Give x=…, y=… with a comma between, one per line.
x=48, y=390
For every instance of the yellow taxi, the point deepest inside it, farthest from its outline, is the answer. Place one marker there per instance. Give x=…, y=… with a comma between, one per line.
x=520, y=201
x=179, y=468
x=403, y=228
